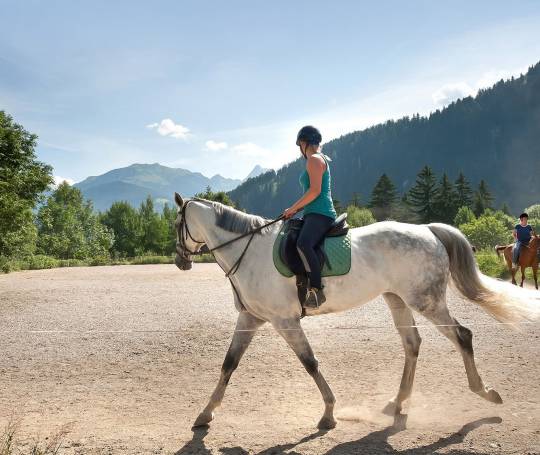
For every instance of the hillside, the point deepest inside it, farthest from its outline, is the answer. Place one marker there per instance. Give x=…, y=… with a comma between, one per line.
x=494, y=136
x=134, y=183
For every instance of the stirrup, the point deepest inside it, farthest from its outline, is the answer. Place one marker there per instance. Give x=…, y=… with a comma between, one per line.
x=315, y=298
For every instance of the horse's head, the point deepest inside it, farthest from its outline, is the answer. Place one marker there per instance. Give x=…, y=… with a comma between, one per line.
x=186, y=245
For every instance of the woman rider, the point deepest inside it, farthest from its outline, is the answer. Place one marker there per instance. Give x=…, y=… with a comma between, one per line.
x=319, y=212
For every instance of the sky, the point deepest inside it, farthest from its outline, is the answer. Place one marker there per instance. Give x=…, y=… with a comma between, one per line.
x=218, y=87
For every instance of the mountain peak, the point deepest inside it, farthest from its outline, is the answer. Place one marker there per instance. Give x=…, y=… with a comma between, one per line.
x=256, y=171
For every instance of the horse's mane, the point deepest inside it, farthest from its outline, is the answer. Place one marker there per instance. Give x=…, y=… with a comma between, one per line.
x=233, y=220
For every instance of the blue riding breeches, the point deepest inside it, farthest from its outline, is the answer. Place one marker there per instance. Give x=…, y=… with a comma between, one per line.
x=516, y=250
x=313, y=231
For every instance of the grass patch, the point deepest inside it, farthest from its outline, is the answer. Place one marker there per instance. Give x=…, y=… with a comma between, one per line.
x=39, y=262
x=492, y=265
x=10, y=445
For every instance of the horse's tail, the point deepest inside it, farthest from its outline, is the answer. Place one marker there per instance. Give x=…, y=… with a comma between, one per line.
x=503, y=301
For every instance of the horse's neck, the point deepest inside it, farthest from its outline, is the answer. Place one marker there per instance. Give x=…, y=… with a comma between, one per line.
x=214, y=236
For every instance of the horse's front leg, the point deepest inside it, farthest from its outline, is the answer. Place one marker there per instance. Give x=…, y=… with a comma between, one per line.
x=522, y=275
x=535, y=276
x=295, y=337
x=246, y=326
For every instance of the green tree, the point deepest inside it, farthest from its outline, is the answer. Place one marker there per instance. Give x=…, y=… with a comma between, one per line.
x=463, y=191
x=383, y=197
x=506, y=209
x=533, y=211
x=445, y=201
x=124, y=221
x=22, y=180
x=486, y=231
x=357, y=216
x=68, y=227
x=169, y=216
x=423, y=195
x=356, y=199
x=217, y=196
x=534, y=217
x=337, y=206
x=154, y=229
x=464, y=215
x=482, y=199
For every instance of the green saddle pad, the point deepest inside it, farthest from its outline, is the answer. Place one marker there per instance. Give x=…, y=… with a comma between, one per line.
x=338, y=252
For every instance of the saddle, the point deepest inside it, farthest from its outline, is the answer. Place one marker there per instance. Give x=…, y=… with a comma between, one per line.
x=289, y=253
x=334, y=252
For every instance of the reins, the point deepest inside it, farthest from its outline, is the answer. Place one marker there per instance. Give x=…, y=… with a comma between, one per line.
x=236, y=265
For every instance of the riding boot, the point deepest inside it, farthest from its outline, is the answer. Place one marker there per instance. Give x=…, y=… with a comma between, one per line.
x=315, y=298
x=302, y=284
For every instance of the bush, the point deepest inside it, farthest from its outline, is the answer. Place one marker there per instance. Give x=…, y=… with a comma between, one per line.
x=464, y=215
x=40, y=261
x=491, y=264
x=357, y=216
x=486, y=232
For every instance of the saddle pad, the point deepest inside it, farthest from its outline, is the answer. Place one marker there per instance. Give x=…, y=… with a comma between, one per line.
x=338, y=251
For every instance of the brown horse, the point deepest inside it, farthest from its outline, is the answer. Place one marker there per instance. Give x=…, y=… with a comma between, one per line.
x=528, y=257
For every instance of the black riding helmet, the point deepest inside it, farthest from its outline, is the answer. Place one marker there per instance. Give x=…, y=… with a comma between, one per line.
x=310, y=135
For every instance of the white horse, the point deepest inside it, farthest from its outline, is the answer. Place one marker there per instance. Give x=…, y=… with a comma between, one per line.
x=410, y=265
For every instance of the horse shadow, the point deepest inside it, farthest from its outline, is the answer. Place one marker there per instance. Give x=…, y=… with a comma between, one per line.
x=373, y=443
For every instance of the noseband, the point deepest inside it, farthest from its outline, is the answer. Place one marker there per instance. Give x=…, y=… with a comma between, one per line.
x=184, y=233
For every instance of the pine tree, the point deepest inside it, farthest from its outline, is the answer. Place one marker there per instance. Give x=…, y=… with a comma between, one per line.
x=383, y=197
x=423, y=194
x=337, y=206
x=463, y=192
x=506, y=209
x=356, y=200
x=445, y=201
x=483, y=199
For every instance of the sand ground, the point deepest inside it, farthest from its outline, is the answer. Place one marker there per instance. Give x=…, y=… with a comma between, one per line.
x=140, y=391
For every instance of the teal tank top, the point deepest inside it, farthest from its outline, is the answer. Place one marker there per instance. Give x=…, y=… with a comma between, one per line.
x=322, y=204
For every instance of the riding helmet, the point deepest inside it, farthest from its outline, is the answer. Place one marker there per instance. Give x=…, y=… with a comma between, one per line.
x=310, y=135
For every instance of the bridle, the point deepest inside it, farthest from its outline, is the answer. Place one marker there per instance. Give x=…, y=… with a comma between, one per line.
x=183, y=233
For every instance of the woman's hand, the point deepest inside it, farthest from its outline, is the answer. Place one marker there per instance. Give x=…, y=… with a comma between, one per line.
x=289, y=212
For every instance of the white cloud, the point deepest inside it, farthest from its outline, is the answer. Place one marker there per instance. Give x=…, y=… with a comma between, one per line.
x=214, y=146
x=168, y=128
x=58, y=180
x=491, y=77
x=451, y=92
x=250, y=149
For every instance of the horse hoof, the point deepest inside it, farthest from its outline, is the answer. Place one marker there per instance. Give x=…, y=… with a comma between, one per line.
x=326, y=423
x=494, y=397
x=392, y=409
x=203, y=419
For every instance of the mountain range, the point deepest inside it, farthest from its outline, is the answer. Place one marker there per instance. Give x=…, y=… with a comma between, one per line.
x=134, y=183
x=494, y=136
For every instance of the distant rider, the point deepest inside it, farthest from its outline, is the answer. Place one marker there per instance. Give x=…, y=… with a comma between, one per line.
x=522, y=234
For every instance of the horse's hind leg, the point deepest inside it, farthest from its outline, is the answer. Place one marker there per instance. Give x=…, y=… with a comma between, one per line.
x=535, y=276
x=462, y=339
x=404, y=322
x=295, y=337
x=246, y=326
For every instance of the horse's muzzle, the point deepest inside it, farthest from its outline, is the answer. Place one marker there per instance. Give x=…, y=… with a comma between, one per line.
x=182, y=263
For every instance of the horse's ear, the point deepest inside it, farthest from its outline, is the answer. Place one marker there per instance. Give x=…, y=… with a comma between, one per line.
x=178, y=199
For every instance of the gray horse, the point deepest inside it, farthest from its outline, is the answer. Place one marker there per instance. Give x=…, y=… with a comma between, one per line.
x=410, y=265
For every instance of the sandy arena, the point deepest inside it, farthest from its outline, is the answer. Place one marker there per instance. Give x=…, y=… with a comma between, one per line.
x=142, y=349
